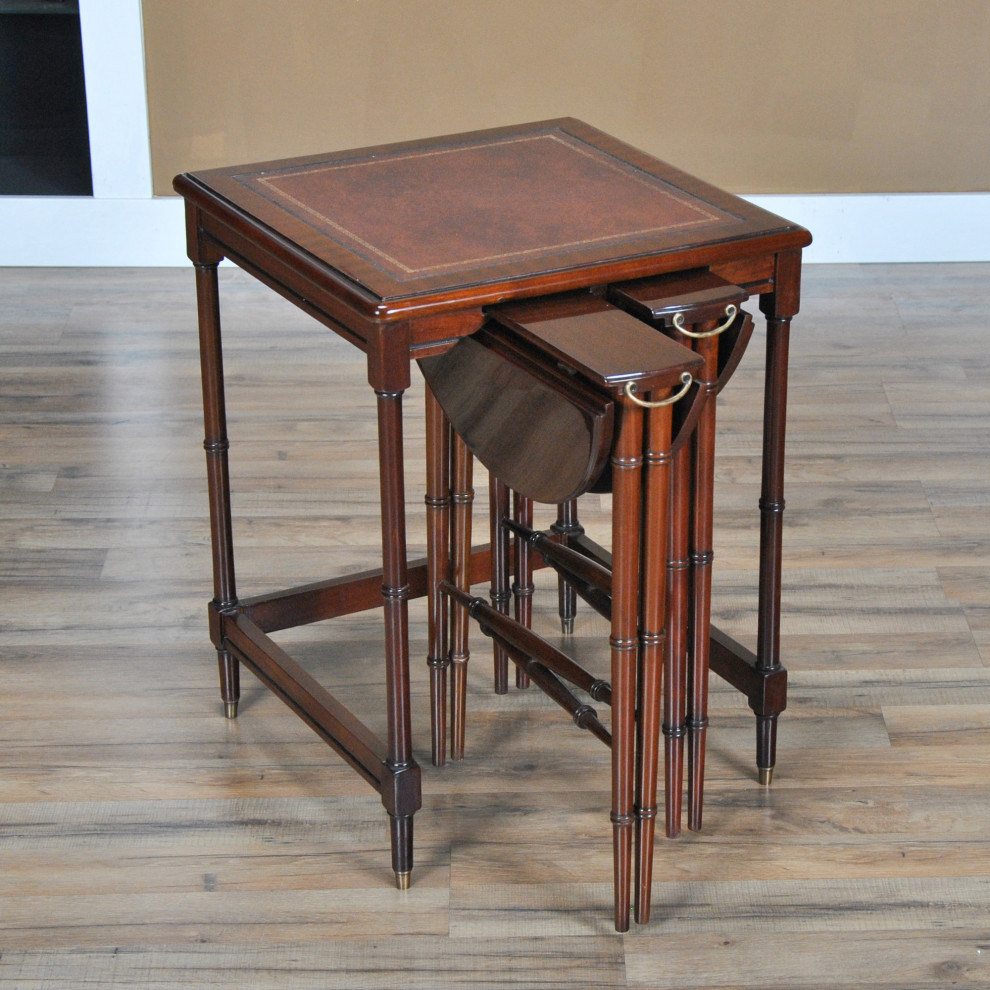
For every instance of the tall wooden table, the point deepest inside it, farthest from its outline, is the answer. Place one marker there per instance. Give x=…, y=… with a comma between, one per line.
x=399, y=249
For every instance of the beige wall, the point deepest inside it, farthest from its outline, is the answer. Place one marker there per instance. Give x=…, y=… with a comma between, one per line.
x=758, y=96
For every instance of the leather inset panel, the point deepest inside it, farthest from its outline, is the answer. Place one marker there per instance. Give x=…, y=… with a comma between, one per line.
x=441, y=210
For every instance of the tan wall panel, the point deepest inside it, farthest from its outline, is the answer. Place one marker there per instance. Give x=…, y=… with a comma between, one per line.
x=758, y=96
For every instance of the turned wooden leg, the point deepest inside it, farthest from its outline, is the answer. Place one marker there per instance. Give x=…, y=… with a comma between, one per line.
x=627, y=460
x=402, y=798
x=438, y=568
x=216, y=446
x=230, y=682
x=675, y=652
x=462, y=498
x=656, y=499
x=500, y=593
x=522, y=588
x=772, y=516
x=779, y=307
x=565, y=526
x=702, y=510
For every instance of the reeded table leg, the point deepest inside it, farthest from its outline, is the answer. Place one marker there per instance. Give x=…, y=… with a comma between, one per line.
x=702, y=510
x=400, y=800
x=522, y=588
x=627, y=462
x=462, y=499
x=500, y=593
x=778, y=307
x=218, y=475
x=675, y=653
x=438, y=567
x=656, y=500
x=771, y=534
x=565, y=526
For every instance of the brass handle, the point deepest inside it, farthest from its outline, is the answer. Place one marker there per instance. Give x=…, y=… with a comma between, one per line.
x=730, y=316
x=631, y=387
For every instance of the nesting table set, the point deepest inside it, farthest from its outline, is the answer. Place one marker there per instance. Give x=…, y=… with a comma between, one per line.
x=405, y=250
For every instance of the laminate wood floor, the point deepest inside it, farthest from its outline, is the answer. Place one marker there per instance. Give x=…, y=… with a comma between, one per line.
x=147, y=842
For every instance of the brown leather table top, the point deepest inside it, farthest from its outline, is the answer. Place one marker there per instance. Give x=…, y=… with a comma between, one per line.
x=461, y=207
x=436, y=215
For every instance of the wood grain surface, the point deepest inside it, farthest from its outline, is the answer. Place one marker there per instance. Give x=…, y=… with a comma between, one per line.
x=145, y=841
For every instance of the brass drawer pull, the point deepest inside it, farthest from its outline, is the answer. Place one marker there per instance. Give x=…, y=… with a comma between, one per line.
x=631, y=388
x=730, y=316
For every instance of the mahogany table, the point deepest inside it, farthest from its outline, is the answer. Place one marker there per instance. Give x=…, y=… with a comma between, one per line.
x=399, y=249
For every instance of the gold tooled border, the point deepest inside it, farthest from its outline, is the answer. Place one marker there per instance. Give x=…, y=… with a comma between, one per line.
x=600, y=157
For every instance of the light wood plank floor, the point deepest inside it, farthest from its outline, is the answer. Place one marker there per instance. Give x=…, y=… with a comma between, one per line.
x=147, y=842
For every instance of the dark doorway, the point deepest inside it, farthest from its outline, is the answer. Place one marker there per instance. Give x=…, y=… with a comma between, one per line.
x=44, y=135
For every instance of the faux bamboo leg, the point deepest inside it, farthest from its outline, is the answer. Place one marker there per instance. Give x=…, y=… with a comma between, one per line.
x=703, y=477
x=438, y=568
x=675, y=652
x=462, y=498
x=522, y=588
x=771, y=533
x=565, y=526
x=656, y=498
x=500, y=592
x=216, y=446
x=395, y=593
x=627, y=460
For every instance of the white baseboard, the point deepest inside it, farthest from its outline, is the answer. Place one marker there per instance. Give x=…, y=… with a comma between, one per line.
x=904, y=227
x=87, y=232
x=860, y=229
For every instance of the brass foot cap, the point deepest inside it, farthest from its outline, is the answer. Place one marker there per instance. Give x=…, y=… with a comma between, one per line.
x=230, y=709
x=402, y=880
x=766, y=776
